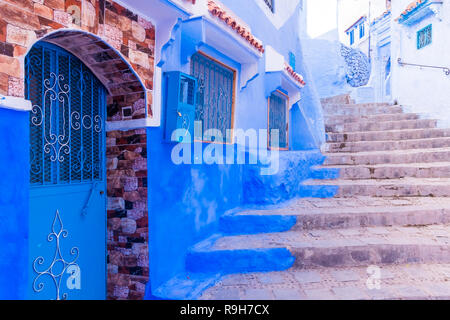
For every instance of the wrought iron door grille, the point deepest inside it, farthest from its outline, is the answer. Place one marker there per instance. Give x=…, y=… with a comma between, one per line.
x=67, y=118
x=214, y=94
x=278, y=119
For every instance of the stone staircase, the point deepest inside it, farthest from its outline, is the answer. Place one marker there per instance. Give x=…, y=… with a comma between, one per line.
x=389, y=173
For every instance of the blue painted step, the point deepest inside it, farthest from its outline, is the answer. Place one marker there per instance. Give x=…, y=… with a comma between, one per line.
x=235, y=224
x=204, y=258
x=325, y=173
x=318, y=191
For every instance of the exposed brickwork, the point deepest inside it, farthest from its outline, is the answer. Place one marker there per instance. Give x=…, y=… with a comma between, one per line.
x=108, y=29
x=128, y=261
x=23, y=22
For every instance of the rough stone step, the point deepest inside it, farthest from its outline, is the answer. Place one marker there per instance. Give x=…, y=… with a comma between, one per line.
x=389, y=282
x=392, y=157
x=381, y=126
x=337, y=248
x=334, y=120
x=391, y=171
x=367, y=146
x=412, y=134
x=341, y=99
x=360, y=110
x=335, y=213
x=405, y=187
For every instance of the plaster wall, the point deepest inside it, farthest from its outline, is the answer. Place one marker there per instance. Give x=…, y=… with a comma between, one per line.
x=422, y=90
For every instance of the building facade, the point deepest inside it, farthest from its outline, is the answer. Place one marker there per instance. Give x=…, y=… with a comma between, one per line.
x=97, y=96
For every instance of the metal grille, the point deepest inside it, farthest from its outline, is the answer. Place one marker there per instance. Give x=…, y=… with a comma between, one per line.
x=278, y=119
x=67, y=118
x=269, y=3
x=214, y=94
x=424, y=37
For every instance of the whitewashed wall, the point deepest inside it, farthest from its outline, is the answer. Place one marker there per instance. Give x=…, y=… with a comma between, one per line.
x=425, y=91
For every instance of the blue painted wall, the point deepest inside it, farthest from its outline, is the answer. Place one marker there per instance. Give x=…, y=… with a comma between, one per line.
x=14, y=180
x=187, y=202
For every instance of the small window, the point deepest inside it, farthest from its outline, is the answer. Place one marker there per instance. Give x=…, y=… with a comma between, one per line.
x=352, y=37
x=424, y=37
x=215, y=94
x=292, y=61
x=269, y=3
x=278, y=120
x=362, y=31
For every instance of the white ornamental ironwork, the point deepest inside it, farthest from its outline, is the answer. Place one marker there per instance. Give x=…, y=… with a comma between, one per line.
x=59, y=266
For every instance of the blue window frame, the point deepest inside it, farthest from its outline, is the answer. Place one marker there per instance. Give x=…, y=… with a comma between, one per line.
x=352, y=37
x=424, y=37
x=278, y=118
x=362, y=31
x=215, y=94
x=292, y=59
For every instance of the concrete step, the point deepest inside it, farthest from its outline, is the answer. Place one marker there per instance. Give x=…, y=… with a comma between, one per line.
x=341, y=99
x=367, y=146
x=335, y=213
x=392, y=157
x=335, y=120
x=381, y=126
x=389, y=282
x=391, y=171
x=405, y=187
x=412, y=134
x=331, y=248
x=360, y=110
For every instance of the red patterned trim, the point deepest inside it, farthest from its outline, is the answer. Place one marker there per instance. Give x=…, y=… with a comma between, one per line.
x=297, y=77
x=217, y=11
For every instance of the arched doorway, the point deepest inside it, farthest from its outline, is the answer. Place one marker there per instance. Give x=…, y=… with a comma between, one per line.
x=67, y=236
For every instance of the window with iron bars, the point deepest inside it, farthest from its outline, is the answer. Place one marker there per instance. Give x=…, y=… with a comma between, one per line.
x=269, y=3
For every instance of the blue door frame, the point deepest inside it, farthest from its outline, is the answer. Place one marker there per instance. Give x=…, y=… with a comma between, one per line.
x=67, y=222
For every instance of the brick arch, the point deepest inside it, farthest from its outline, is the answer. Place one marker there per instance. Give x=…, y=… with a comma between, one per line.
x=125, y=88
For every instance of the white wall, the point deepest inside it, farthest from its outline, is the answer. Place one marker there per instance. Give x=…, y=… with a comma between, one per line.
x=425, y=91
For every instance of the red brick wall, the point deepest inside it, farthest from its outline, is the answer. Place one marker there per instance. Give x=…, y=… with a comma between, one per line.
x=23, y=23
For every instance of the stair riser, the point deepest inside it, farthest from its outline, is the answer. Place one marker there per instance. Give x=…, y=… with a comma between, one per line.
x=388, y=135
x=368, y=146
x=239, y=261
x=367, y=255
x=428, y=157
x=393, y=191
x=382, y=126
x=330, y=110
x=342, y=99
x=344, y=220
x=339, y=120
x=357, y=173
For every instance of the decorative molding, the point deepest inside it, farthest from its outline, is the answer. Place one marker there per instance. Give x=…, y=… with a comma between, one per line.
x=15, y=103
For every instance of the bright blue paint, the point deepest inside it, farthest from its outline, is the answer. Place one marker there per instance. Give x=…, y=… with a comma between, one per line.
x=14, y=172
x=325, y=173
x=424, y=36
x=187, y=202
x=79, y=196
x=239, y=261
x=235, y=224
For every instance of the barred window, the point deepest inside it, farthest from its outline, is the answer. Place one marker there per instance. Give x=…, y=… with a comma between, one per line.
x=424, y=37
x=278, y=120
x=215, y=94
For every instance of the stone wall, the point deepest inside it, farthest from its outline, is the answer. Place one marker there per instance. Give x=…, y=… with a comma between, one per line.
x=128, y=264
x=118, y=46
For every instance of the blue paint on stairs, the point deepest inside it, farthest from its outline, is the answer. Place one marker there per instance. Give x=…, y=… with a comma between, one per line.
x=235, y=224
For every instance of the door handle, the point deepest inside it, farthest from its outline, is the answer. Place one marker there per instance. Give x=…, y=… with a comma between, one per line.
x=85, y=209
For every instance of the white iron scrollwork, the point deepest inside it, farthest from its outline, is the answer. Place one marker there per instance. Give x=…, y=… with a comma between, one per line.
x=59, y=266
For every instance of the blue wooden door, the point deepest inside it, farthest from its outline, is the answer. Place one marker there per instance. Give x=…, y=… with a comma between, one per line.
x=67, y=239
